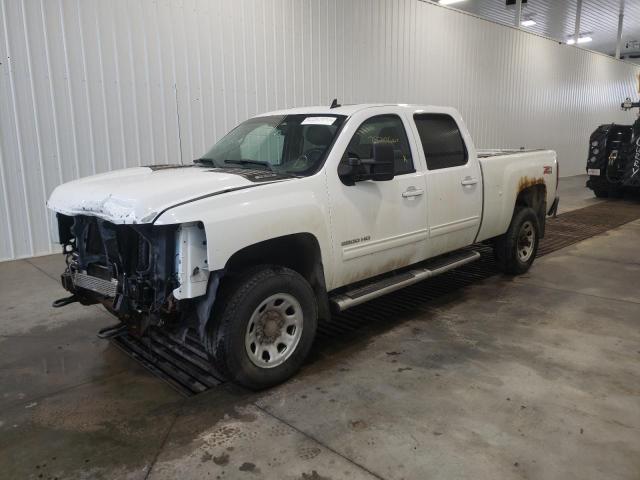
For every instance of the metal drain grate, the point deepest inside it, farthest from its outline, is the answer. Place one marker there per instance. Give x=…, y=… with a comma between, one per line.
x=578, y=225
x=185, y=366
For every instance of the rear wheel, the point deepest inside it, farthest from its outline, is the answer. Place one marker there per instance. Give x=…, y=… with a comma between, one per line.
x=265, y=328
x=516, y=250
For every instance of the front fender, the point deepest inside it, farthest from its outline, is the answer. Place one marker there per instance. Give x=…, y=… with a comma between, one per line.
x=238, y=219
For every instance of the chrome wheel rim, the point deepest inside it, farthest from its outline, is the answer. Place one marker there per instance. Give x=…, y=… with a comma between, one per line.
x=274, y=330
x=526, y=241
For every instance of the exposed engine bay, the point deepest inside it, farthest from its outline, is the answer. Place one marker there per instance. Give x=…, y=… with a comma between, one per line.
x=138, y=272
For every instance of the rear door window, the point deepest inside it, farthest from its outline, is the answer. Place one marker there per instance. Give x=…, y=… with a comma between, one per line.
x=441, y=141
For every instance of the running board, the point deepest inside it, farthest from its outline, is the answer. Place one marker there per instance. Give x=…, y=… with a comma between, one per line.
x=427, y=269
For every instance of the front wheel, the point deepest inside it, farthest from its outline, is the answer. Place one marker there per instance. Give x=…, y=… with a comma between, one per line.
x=516, y=249
x=265, y=327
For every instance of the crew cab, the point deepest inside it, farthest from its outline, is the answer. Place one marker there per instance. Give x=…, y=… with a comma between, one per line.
x=291, y=216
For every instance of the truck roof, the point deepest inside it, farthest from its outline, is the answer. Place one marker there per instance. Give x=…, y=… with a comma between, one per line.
x=347, y=109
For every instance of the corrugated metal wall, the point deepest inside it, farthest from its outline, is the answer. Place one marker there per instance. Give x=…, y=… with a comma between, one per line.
x=87, y=85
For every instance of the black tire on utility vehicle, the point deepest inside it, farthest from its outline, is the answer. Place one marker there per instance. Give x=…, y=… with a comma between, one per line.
x=264, y=327
x=601, y=193
x=515, y=250
x=615, y=192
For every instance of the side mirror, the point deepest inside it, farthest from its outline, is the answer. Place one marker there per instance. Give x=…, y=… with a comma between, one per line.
x=380, y=168
x=350, y=170
x=383, y=162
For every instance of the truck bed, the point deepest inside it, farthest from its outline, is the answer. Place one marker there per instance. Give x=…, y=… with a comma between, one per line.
x=507, y=172
x=496, y=152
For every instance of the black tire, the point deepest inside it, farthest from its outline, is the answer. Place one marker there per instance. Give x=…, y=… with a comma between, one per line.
x=506, y=246
x=237, y=303
x=600, y=193
x=615, y=192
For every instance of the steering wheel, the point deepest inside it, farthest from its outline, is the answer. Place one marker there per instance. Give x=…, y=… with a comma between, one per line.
x=307, y=159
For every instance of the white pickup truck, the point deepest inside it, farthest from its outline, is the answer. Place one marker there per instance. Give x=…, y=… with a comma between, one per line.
x=293, y=215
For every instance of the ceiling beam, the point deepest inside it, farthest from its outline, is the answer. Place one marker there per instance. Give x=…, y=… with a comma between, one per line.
x=620, y=23
x=576, y=33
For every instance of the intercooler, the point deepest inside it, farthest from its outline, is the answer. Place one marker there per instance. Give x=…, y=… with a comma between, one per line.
x=108, y=288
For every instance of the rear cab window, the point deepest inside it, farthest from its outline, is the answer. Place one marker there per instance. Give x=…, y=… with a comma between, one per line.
x=441, y=140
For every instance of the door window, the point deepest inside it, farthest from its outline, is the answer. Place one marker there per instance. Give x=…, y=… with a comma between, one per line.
x=387, y=129
x=441, y=141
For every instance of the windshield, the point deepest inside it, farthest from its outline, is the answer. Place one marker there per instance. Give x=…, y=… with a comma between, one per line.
x=291, y=144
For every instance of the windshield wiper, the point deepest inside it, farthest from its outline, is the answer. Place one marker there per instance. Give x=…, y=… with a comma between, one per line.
x=203, y=160
x=251, y=162
x=210, y=161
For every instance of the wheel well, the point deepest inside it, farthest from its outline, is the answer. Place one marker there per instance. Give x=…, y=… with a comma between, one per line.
x=299, y=252
x=535, y=197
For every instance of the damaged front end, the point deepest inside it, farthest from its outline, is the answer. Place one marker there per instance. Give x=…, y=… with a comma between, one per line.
x=147, y=275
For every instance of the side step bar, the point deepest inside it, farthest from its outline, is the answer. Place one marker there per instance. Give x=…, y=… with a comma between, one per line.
x=428, y=269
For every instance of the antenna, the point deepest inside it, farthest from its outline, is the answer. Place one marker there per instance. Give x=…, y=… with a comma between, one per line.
x=335, y=103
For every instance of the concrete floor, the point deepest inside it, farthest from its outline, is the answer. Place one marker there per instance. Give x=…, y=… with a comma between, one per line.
x=534, y=377
x=574, y=194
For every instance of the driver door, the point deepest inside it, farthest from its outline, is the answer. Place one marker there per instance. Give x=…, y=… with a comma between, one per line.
x=378, y=226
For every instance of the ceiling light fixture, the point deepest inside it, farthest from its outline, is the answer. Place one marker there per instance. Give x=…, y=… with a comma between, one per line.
x=585, y=39
x=448, y=2
x=528, y=23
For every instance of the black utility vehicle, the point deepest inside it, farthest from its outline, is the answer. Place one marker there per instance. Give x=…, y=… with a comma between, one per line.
x=614, y=157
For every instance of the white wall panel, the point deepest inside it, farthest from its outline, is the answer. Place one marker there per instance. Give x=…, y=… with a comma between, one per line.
x=88, y=86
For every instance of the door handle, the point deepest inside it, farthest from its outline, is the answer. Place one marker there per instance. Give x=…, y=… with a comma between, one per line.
x=412, y=192
x=469, y=181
